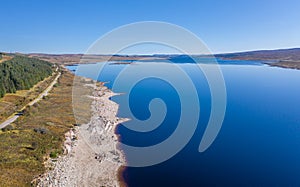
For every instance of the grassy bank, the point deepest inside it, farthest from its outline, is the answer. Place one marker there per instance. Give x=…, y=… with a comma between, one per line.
x=27, y=143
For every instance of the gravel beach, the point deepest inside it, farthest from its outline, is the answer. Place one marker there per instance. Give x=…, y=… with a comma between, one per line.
x=91, y=157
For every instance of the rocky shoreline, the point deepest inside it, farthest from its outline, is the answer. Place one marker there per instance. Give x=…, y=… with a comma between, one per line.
x=91, y=157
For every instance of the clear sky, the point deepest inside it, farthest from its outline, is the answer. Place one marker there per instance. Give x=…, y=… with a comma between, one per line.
x=71, y=26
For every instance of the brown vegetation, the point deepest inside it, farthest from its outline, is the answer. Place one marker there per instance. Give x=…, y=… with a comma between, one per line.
x=5, y=58
x=69, y=59
x=11, y=103
x=287, y=64
x=36, y=136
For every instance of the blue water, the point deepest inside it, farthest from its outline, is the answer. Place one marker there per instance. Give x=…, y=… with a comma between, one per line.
x=259, y=142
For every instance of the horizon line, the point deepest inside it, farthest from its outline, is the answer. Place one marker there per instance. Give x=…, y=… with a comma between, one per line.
x=153, y=54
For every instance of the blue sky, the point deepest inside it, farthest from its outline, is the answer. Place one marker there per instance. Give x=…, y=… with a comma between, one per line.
x=71, y=26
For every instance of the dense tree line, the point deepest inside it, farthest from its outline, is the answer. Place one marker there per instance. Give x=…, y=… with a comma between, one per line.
x=22, y=73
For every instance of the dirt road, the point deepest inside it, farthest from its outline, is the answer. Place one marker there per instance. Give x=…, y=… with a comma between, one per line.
x=15, y=116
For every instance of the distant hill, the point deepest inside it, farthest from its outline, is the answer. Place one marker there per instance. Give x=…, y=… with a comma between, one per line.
x=287, y=58
x=269, y=55
x=68, y=59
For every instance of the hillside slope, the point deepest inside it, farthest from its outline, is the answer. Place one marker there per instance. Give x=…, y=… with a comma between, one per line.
x=287, y=58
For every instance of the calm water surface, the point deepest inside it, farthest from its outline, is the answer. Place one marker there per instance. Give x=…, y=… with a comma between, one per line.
x=258, y=145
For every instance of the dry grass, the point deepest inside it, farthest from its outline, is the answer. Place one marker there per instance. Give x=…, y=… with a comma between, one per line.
x=5, y=58
x=287, y=64
x=10, y=103
x=24, y=148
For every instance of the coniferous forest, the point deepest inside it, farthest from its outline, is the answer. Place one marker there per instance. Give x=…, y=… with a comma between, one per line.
x=22, y=73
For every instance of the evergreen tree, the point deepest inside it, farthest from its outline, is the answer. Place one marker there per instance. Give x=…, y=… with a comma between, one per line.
x=22, y=73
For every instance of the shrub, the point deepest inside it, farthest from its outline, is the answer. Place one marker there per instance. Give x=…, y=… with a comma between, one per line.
x=41, y=130
x=55, y=153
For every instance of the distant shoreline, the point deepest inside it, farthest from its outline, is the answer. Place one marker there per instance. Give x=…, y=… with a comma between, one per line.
x=286, y=65
x=285, y=58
